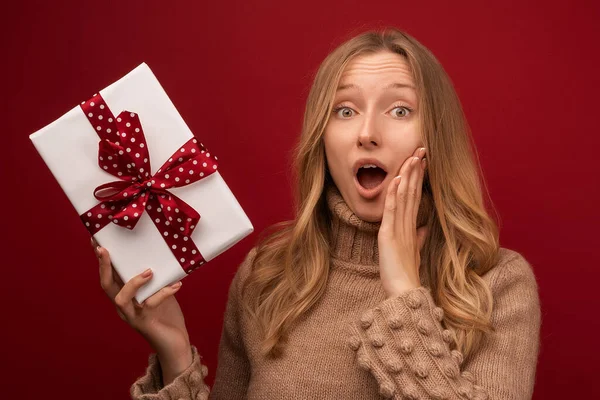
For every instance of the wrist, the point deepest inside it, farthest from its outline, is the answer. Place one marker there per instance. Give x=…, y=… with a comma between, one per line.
x=174, y=364
x=400, y=290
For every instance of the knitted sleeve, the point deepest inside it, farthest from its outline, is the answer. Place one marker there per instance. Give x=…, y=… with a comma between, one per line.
x=189, y=385
x=233, y=368
x=404, y=344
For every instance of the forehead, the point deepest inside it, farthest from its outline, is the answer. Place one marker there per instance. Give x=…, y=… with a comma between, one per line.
x=383, y=70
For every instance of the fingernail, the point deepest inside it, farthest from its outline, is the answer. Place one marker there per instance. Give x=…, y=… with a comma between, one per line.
x=423, y=163
x=422, y=150
x=415, y=159
x=176, y=285
x=147, y=273
x=98, y=254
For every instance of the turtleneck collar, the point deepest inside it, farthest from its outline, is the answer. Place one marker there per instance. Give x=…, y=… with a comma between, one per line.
x=353, y=241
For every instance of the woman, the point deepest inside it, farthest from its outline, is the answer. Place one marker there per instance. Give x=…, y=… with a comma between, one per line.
x=389, y=282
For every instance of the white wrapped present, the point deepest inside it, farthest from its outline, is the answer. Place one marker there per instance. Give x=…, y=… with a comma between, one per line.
x=143, y=185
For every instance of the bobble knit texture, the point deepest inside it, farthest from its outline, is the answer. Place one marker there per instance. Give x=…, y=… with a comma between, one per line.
x=356, y=343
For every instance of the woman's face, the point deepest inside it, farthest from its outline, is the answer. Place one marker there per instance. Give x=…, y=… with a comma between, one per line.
x=374, y=121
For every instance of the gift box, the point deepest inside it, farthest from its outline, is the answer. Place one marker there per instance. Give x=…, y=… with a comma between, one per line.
x=142, y=184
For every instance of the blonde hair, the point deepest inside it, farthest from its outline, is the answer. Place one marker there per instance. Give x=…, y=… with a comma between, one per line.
x=291, y=265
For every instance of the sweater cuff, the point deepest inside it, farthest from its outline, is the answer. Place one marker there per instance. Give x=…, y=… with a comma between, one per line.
x=189, y=385
x=404, y=345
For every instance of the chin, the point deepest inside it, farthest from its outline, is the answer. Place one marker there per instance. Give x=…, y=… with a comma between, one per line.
x=370, y=218
x=369, y=213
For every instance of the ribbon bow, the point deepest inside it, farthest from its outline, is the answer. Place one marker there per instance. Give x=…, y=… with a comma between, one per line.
x=123, y=153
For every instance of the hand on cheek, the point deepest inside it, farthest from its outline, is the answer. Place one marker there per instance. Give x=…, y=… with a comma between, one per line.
x=398, y=239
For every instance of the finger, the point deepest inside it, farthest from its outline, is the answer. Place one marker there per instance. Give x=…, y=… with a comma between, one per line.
x=94, y=245
x=389, y=207
x=124, y=298
x=401, y=195
x=157, y=298
x=421, y=176
x=413, y=191
x=107, y=281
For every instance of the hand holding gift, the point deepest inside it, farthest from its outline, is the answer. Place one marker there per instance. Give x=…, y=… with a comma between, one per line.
x=158, y=319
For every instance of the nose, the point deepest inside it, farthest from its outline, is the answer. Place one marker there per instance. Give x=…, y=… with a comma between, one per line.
x=368, y=136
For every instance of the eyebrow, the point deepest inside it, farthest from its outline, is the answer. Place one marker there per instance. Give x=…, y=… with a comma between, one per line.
x=390, y=86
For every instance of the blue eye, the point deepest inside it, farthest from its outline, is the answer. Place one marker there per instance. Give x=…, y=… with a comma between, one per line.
x=341, y=107
x=408, y=110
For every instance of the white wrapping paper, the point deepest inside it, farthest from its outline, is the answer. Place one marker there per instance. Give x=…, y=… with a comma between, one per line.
x=69, y=147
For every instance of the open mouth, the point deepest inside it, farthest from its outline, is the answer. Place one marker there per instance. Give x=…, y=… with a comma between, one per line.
x=370, y=177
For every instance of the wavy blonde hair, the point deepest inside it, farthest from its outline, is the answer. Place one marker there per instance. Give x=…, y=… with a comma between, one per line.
x=291, y=265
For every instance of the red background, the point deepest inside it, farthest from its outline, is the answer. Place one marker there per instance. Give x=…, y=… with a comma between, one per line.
x=239, y=73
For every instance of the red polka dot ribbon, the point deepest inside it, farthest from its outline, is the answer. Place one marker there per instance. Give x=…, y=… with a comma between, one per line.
x=123, y=153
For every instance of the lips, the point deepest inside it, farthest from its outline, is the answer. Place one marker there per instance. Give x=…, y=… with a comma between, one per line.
x=363, y=161
x=369, y=181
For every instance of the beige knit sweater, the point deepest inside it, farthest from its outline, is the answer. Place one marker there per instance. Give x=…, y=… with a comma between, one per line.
x=357, y=344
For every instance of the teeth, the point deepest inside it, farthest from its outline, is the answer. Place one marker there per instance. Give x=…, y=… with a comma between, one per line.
x=369, y=166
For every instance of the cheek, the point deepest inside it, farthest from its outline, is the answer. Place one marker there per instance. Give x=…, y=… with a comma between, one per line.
x=332, y=157
x=335, y=146
x=406, y=142
x=336, y=153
